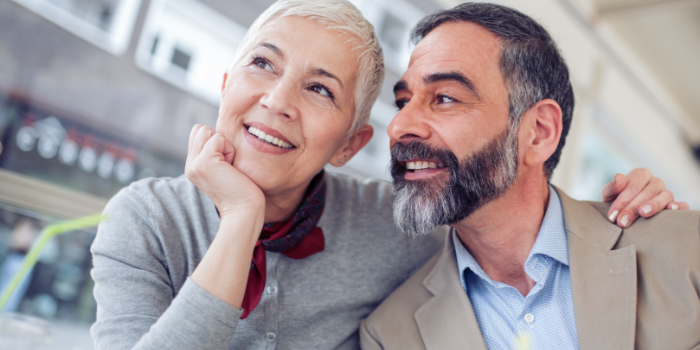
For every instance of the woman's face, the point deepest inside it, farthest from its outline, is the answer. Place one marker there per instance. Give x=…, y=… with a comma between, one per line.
x=297, y=86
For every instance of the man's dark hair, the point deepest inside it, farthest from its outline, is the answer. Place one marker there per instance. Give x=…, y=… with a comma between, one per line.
x=530, y=61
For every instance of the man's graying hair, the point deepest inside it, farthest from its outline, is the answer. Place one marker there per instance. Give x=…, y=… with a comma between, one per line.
x=530, y=61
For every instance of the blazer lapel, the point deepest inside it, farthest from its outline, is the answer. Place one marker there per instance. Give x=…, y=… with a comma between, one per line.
x=447, y=320
x=603, y=281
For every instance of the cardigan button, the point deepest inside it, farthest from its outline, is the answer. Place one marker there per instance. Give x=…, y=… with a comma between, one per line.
x=270, y=337
x=271, y=289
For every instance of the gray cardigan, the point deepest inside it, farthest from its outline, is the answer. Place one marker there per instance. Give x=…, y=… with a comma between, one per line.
x=159, y=230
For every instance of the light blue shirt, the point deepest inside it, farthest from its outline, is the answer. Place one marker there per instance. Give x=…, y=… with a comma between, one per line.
x=544, y=319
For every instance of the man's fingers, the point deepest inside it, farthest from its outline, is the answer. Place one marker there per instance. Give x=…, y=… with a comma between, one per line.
x=614, y=187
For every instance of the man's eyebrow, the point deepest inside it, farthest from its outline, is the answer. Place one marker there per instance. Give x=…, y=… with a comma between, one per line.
x=452, y=76
x=320, y=71
x=272, y=48
x=400, y=85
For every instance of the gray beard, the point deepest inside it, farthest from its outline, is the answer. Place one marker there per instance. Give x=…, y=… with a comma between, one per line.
x=423, y=205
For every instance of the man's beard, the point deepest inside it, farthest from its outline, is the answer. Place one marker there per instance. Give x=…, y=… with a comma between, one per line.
x=422, y=205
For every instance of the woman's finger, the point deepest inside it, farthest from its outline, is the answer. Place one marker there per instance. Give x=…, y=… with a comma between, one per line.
x=218, y=148
x=193, y=133
x=656, y=204
x=633, y=208
x=613, y=188
x=678, y=206
x=200, y=139
x=636, y=181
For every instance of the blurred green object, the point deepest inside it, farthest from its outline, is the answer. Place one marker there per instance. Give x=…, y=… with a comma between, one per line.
x=48, y=233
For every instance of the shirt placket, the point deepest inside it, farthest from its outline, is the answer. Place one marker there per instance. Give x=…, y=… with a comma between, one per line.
x=271, y=294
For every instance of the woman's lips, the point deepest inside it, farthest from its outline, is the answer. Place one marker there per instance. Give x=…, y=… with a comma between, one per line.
x=268, y=138
x=269, y=135
x=262, y=145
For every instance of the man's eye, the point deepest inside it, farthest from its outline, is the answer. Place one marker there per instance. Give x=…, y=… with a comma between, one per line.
x=401, y=103
x=445, y=99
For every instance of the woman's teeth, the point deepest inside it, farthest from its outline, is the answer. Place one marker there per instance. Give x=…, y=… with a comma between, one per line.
x=268, y=138
x=420, y=165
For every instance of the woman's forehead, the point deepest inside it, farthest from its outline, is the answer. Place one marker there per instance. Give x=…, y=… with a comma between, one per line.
x=294, y=36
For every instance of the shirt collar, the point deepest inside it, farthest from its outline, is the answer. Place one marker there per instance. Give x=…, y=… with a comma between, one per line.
x=551, y=241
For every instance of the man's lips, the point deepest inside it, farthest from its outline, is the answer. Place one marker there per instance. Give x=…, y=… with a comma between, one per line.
x=270, y=136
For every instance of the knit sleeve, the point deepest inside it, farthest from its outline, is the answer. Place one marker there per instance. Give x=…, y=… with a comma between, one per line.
x=137, y=305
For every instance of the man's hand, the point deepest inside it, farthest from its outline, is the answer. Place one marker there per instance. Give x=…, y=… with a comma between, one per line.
x=209, y=167
x=638, y=193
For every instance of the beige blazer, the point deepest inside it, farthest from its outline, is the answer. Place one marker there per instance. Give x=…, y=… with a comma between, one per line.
x=637, y=288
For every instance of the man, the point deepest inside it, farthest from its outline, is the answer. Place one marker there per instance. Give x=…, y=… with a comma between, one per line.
x=487, y=100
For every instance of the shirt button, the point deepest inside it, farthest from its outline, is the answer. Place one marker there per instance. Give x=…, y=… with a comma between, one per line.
x=271, y=289
x=270, y=337
x=529, y=318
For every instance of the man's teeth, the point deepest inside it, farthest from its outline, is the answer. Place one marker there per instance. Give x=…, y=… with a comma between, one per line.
x=420, y=165
x=269, y=138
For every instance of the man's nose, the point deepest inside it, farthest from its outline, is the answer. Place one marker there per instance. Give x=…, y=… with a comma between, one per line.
x=282, y=98
x=409, y=124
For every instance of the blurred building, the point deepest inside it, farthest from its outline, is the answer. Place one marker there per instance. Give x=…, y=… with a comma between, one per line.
x=95, y=94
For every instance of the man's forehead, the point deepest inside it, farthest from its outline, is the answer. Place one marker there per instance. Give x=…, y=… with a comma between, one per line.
x=456, y=46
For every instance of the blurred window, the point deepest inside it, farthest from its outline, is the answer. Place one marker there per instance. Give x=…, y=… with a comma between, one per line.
x=393, y=20
x=188, y=45
x=59, y=287
x=107, y=24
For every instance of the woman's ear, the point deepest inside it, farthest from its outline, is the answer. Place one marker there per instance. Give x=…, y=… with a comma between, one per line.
x=353, y=145
x=544, y=121
x=223, y=84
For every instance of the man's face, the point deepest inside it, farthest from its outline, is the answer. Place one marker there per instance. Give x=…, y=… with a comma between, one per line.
x=452, y=149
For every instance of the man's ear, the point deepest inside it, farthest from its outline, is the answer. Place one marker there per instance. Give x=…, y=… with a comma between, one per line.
x=353, y=145
x=543, y=124
x=223, y=84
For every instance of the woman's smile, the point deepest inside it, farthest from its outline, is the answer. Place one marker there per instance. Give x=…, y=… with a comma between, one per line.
x=266, y=139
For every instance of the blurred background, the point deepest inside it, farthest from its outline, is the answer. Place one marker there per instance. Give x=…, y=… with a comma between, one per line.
x=95, y=94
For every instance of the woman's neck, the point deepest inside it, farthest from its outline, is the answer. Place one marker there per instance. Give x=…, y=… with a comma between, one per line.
x=281, y=206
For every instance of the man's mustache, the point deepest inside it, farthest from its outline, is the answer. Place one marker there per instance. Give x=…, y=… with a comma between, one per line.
x=401, y=153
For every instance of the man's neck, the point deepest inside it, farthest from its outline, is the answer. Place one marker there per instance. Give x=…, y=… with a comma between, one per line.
x=501, y=234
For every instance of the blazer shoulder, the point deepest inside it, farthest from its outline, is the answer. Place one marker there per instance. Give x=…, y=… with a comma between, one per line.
x=673, y=231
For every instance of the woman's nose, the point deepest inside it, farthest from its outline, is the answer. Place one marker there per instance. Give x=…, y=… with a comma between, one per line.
x=409, y=124
x=281, y=98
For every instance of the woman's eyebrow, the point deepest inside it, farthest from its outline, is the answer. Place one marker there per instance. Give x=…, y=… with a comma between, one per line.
x=272, y=48
x=320, y=71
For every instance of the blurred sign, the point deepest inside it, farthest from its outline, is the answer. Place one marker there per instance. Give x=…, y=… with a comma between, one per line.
x=44, y=145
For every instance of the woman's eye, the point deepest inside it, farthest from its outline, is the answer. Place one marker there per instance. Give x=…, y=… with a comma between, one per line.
x=445, y=99
x=262, y=63
x=321, y=90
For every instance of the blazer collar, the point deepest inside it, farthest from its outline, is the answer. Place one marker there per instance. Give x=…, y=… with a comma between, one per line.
x=603, y=281
x=447, y=321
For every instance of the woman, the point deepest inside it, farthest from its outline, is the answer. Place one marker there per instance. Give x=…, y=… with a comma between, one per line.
x=278, y=253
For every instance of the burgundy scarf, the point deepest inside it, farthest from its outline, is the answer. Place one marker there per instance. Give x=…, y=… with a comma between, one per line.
x=296, y=238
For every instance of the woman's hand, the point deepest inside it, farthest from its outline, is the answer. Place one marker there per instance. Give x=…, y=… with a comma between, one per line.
x=223, y=271
x=209, y=167
x=638, y=193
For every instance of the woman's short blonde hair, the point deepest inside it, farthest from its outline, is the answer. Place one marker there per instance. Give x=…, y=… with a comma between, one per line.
x=342, y=16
